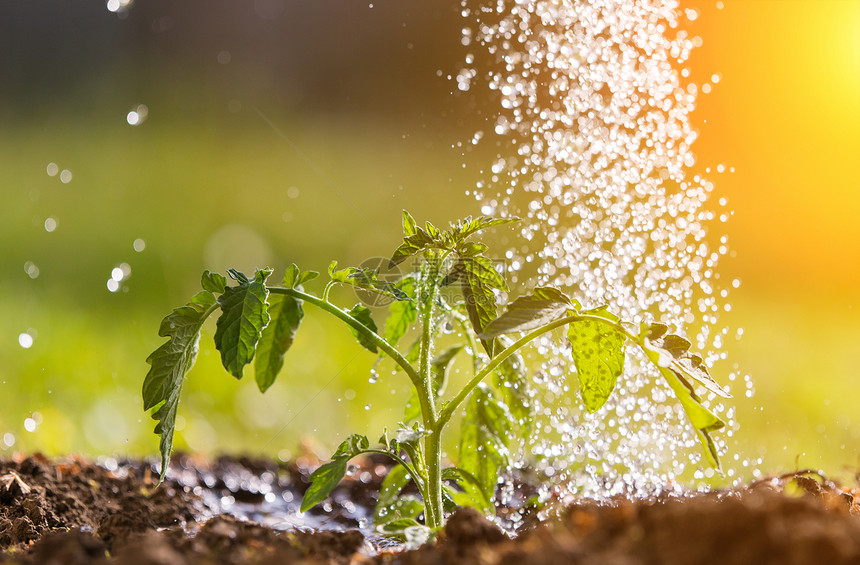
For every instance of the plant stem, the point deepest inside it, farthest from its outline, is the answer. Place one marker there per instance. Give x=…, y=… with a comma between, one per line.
x=435, y=515
x=417, y=478
x=378, y=340
x=451, y=407
x=433, y=511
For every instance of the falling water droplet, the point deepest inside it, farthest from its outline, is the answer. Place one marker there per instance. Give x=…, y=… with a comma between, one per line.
x=25, y=340
x=137, y=115
x=596, y=112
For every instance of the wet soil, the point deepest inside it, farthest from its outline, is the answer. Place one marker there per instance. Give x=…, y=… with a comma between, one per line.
x=244, y=510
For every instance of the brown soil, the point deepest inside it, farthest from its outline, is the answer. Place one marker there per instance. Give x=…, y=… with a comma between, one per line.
x=74, y=511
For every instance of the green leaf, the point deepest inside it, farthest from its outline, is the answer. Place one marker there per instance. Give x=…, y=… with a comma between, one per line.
x=242, y=320
x=324, y=480
x=352, y=446
x=170, y=363
x=480, y=279
x=598, y=353
x=402, y=313
x=676, y=345
x=534, y=310
x=471, y=248
x=295, y=277
x=432, y=230
x=468, y=226
x=391, y=505
x=408, y=224
x=213, y=282
x=511, y=383
x=327, y=476
x=366, y=279
x=703, y=420
x=397, y=478
x=483, y=440
x=672, y=352
x=411, y=245
x=473, y=493
x=286, y=314
x=362, y=313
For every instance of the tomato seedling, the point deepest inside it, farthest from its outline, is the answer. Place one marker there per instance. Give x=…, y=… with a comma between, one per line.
x=258, y=323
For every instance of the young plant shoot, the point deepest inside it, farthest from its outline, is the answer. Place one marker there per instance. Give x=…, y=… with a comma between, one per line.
x=258, y=322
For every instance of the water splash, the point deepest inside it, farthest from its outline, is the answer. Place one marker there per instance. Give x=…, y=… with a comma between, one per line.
x=595, y=154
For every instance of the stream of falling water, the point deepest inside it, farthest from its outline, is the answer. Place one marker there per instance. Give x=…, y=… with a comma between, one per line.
x=595, y=155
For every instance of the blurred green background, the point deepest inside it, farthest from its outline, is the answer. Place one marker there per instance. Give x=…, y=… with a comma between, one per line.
x=295, y=131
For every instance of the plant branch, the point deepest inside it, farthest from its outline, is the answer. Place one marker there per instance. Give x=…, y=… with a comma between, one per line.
x=378, y=340
x=416, y=477
x=446, y=414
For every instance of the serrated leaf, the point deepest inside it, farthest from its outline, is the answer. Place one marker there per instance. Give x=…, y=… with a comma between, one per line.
x=681, y=361
x=479, y=280
x=655, y=330
x=213, y=282
x=238, y=276
x=324, y=480
x=402, y=313
x=408, y=224
x=291, y=275
x=285, y=314
x=473, y=493
x=328, y=476
x=366, y=279
x=531, y=311
x=204, y=298
x=512, y=385
x=702, y=419
x=242, y=320
x=352, y=446
x=598, y=354
x=432, y=230
x=676, y=345
x=391, y=505
x=411, y=245
x=469, y=226
x=471, y=248
x=483, y=440
x=168, y=366
x=306, y=276
x=362, y=313
x=687, y=367
x=295, y=277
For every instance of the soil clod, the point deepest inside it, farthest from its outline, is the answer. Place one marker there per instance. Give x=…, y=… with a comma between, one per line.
x=231, y=511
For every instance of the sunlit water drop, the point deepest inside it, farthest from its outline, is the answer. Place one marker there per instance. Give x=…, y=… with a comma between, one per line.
x=25, y=340
x=137, y=115
x=593, y=126
x=118, y=275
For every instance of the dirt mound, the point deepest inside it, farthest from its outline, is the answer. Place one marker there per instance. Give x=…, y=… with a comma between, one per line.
x=74, y=512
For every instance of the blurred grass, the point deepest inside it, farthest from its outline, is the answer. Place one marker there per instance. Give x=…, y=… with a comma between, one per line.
x=175, y=184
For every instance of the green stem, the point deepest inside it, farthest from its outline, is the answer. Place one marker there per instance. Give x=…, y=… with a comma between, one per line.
x=433, y=511
x=435, y=516
x=416, y=476
x=470, y=338
x=447, y=412
x=378, y=340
